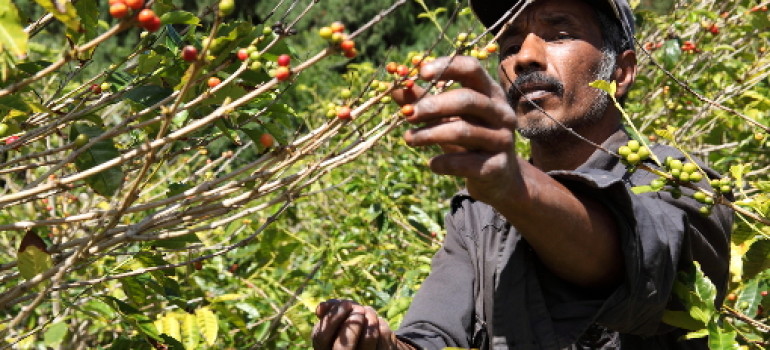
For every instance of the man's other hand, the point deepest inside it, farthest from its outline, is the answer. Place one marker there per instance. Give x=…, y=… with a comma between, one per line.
x=346, y=325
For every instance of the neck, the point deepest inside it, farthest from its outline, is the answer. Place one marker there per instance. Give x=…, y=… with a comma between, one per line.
x=570, y=152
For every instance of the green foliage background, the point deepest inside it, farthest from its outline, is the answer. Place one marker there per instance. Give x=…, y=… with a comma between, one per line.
x=367, y=230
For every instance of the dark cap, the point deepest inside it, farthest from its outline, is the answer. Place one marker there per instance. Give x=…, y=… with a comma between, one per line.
x=490, y=11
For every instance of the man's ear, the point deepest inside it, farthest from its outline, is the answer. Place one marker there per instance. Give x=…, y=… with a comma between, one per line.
x=625, y=72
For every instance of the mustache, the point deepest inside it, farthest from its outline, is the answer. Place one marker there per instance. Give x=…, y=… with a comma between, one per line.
x=533, y=78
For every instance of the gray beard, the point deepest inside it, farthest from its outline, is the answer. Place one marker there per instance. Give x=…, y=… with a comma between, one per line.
x=548, y=132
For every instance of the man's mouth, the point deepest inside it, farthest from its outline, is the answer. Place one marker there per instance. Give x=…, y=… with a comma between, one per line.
x=534, y=88
x=533, y=92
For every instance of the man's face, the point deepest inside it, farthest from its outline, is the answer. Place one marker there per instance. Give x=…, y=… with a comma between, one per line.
x=550, y=55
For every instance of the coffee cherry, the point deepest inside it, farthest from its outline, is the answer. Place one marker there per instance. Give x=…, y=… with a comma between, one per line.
x=391, y=67
x=81, y=140
x=337, y=37
x=408, y=84
x=344, y=112
x=266, y=140
x=118, y=10
x=633, y=145
x=676, y=192
x=345, y=93
x=675, y=164
x=633, y=159
x=4, y=129
x=402, y=70
x=689, y=167
x=242, y=54
x=96, y=89
x=658, y=184
x=256, y=65
x=763, y=293
x=325, y=32
x=226, y=7
x=148, y=20
x=255, y=55
x=11, y=139
x=696, y=176
x=145, y=16
x=624, y=151
x=347, y=45
x=135, y=4
x=350, y=53
x=337, y=27
x=214, y=82
x=284, y=60
x=407, y=110
x=644, y=153
x=705, y=211
x=699, y=196
x=189, y=53
x=282, y=73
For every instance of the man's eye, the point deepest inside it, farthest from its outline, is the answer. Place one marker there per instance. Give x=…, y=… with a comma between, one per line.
x=511, y=50
x=563, y=35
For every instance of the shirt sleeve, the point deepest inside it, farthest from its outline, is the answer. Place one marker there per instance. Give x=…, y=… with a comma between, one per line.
x=659, y=236
x=441, y=314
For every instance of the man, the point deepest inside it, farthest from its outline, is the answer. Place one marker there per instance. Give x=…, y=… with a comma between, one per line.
x=554, y=252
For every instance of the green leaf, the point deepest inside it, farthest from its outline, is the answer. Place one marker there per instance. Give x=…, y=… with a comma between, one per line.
x=108, y=181
x=55, y=334
x=757, y=259
x=667, y=133
x=64, y=11
x=671, y=52
x=33, y=257
x=12, y=35
x=135, y=290
x=148, y=95
x=642, y=189
x=609, y=87
x=721, y=337
x=682, y=319
x=89, y=15
x=697, y=293
x=190, y=334
x=179, y=17
x=208, y=325
x=737, y=172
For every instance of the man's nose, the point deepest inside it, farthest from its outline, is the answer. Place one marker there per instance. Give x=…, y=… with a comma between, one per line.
x=531, y=55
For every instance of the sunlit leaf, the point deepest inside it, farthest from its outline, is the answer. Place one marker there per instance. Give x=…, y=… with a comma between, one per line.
x=108, y=181
x=208, y=325
x=12, y=35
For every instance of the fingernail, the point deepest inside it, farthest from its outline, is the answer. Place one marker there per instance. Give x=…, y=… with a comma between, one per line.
x=428, y=69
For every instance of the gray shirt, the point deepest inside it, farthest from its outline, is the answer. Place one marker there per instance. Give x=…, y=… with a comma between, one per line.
x=488, y=289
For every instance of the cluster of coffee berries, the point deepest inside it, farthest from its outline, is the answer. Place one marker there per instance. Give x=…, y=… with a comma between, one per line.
x=689, y=46
x=252, y=55
x=283, y=71
x=378, y=87
x=146, y=17
x=723, y=185
x=633, y=153
x=480, y=53
x=684, y=172
x=335, y=34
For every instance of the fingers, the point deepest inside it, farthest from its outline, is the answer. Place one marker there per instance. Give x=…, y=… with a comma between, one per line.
x=467, y=104
x=467, y=71
x=460, y=134
x=326, y=330
x=346, y=325
x=351, y=329
x=410, y=95
x=324, y=307
x=371, y=334
x=472, y=165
